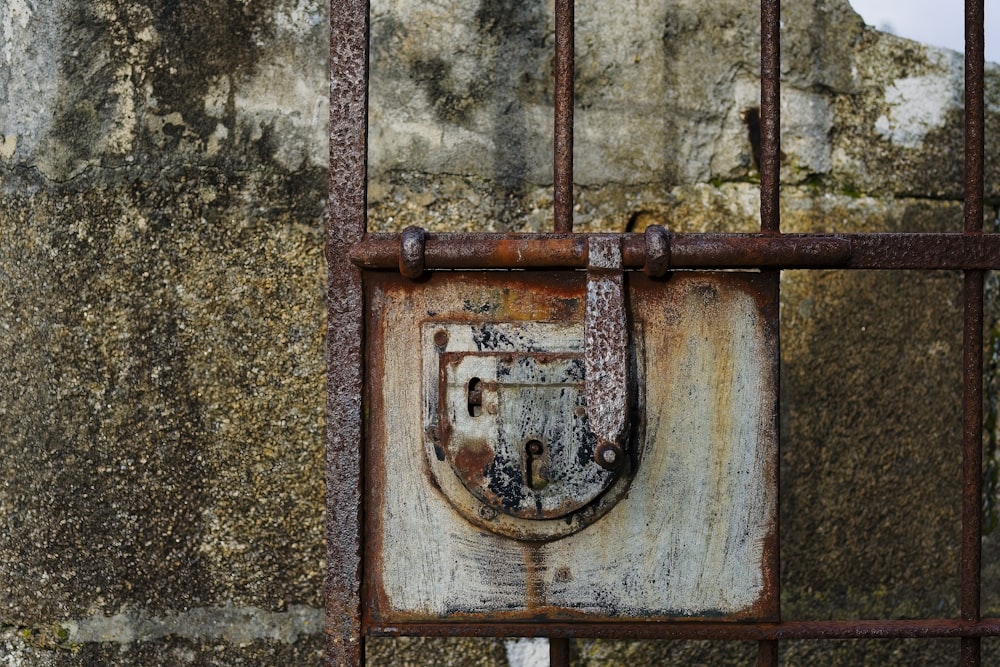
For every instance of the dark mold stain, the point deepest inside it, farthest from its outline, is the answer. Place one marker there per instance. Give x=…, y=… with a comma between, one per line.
x=751, y=118
x=450, y=104
x=489, y=338
x=517, y=34
x=202, y=42
x=199, y=47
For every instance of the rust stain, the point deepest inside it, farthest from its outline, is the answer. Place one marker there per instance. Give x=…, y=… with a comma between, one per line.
x=534, y=571
x=372, y=588
x=473, y=458
x=533, y=465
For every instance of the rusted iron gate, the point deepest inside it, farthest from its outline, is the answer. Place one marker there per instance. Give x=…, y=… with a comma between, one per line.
x=351, y=252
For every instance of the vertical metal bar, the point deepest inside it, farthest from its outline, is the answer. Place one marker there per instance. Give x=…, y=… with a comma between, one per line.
x=767, y=653
x=972, y=460
x=768, y=650
x=972, y=401
x=345, y=329
x=770, y=114
x=562, y=176
x=562, y=154
x=558, y=652
x=770, y=221
x=974, y=115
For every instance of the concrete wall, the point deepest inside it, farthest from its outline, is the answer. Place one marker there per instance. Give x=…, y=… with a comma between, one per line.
x=161, y=277
x=162, y=166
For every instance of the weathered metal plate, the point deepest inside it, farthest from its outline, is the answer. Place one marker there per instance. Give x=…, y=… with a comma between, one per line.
x=693, y=537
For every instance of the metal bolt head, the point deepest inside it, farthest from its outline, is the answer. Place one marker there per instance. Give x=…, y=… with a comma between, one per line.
x=441, y=338
x=608, y=455
x=488, y=513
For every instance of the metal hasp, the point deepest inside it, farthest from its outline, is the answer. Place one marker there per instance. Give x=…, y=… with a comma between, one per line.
x=606, y=350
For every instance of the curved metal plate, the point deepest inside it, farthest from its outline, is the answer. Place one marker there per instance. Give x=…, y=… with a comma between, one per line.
x=505, y=415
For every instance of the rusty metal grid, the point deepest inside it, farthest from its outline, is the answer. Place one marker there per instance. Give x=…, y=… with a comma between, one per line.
x=350, y=252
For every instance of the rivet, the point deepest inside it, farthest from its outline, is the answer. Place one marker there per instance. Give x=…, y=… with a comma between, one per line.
x=411, y=252
x=487, y=513
x=657, y=251
x=441, y=338
x=608, y=455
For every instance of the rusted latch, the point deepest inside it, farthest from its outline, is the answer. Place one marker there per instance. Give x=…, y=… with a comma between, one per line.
x=526, y=423
x=508, y=433
x=606, y=350
x=529, y=422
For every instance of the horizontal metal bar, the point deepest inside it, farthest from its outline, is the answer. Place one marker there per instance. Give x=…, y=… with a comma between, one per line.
x=733, y=631
x=696, y=251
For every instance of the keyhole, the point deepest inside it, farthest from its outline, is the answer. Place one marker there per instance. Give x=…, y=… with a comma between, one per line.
x=538, y=472
x=475, y=397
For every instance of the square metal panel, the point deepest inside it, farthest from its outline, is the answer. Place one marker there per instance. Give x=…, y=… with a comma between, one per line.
x=693, y=532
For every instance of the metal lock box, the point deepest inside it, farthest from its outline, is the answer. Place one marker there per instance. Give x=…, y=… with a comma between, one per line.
x=506, y=427
x=485, y=496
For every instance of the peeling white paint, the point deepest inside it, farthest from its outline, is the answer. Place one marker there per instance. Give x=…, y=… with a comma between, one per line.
x=687, y=539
